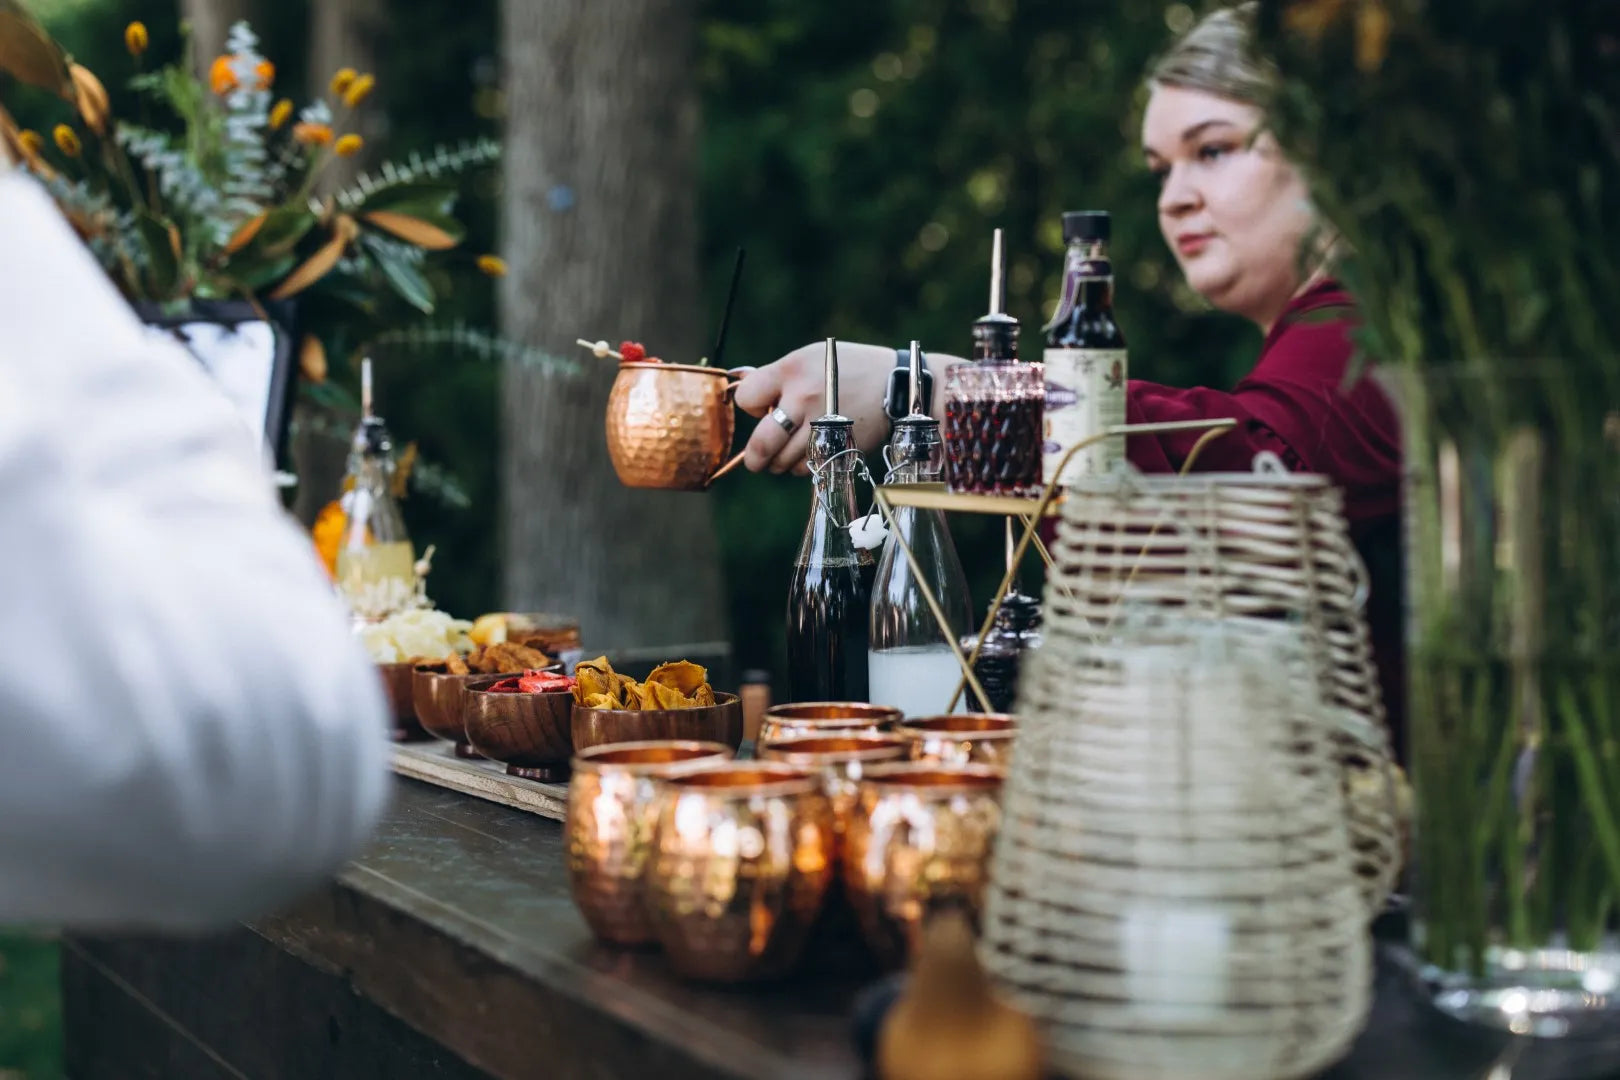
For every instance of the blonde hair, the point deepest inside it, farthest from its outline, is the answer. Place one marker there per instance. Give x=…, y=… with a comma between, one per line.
x=1217, y=57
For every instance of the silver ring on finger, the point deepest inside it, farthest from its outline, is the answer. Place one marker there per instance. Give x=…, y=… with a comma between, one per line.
x=788, y=423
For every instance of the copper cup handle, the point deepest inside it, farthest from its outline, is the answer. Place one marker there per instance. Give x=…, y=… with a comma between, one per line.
x=730, y=388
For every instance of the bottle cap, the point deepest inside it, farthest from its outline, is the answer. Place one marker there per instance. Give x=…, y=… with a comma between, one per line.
x=1086, y=225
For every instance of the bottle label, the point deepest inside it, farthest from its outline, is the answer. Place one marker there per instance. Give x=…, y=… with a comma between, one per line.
x=1085, y=395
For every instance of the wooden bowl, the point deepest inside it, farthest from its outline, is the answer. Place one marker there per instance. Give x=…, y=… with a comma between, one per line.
x=529, y=732
x=721, y=722
x=441, y=702
x=396, y=680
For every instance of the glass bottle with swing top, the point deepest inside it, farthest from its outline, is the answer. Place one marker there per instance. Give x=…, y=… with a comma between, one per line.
x=376, y=565
x=912, y=665
x=829, y=600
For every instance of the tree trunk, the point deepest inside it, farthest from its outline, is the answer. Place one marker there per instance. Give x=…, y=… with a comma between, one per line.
x=600, y=234
x=348, y=33
x=210, y=21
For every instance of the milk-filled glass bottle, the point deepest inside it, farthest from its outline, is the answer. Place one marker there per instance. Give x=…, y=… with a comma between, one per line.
x=911, y=662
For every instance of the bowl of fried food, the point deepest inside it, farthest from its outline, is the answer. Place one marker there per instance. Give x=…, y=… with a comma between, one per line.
x=397, y=644
x=523, y=722
x=438, y=687
x=675, y=702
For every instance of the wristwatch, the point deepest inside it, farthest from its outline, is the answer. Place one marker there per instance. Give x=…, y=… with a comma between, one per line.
x=897, y=403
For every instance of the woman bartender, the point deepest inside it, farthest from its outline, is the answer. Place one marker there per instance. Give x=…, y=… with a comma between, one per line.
x=1237, y=215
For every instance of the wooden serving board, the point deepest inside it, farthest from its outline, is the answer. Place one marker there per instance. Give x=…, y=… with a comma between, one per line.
x=436, y=763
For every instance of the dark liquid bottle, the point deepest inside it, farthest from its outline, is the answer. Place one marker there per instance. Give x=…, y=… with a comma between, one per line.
x=1085, y=354
x=1016, y=631
x=829, y=602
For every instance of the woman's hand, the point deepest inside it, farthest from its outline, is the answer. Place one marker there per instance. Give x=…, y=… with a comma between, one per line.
x=795, y=384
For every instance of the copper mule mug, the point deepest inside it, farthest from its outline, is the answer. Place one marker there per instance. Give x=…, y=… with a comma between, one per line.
x=670, y=425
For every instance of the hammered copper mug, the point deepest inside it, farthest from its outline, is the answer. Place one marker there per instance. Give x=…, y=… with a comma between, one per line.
x=611, y=806
x=741, y=864
x=961, y=738
x=824, y=718
x=920, y=837
x=670, y=426
x=840, y=760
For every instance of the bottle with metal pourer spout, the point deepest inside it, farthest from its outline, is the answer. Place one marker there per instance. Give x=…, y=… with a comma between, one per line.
x=993, y=407
x=911, y=662
x=375, y=563
x=830, y=598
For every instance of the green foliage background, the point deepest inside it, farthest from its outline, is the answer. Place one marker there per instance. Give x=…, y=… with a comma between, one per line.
x=861, y=152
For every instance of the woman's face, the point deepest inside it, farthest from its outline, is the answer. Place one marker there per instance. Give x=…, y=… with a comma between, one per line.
x=1231, y=207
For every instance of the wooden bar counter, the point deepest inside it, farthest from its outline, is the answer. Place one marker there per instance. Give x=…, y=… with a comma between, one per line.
x=451, y=950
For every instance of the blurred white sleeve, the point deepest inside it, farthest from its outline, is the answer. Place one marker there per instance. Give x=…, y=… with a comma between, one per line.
x=190, y=732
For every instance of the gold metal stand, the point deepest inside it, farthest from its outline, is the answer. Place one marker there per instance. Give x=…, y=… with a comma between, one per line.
x=1031, y=511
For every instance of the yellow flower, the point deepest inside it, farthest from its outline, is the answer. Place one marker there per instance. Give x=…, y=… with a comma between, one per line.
x=1372, y=36
x=493, y=265
x=67, y=140
x=135, y=39
x=32, y=142
x=280, y=114
x=348, y=146
x=313, y=134
x=357, y=91
x=343, y=80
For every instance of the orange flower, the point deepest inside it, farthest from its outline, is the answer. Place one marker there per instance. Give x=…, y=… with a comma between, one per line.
x=222, y=74
x=313, y=134
x=221, y=79
x=135, y=38
x=280, y=114
x=32, y=142
x=342, y=80
x=327, y=532
x=348, y=146
x=493, y=265
x=357, y=91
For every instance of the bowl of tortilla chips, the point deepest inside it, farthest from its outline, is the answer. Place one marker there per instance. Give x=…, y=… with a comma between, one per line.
x=674, y=702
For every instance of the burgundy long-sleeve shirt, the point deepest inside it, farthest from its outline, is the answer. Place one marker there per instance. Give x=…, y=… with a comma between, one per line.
x=1297, y=404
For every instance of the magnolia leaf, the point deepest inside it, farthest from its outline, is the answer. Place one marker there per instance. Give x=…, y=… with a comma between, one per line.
x=436, y=235
x=283, y=228
x=408, y=281
x=94, y=105
x=163, y=268
x=418, y=198
x=28, y=53
x=312, y=359
x=316, y=266
x=328, y=394
x=246, y=232
x=346, y=289
x=256, y=276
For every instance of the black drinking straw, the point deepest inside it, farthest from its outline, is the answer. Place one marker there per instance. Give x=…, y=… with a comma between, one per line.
x=725, y=316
